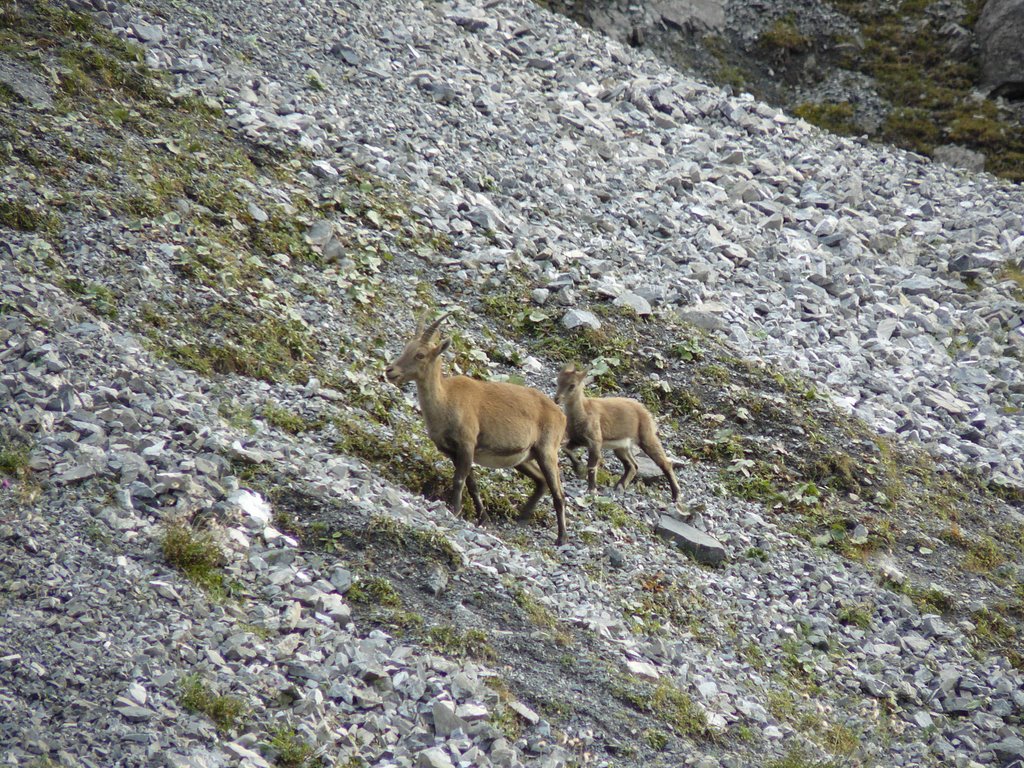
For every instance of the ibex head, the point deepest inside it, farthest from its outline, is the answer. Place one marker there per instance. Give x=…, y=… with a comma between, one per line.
x=418, y=354
x=568, y=380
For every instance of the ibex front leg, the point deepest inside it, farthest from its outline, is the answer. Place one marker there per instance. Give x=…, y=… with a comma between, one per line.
x=463, y=460
x=593, y=462
x=474, y=494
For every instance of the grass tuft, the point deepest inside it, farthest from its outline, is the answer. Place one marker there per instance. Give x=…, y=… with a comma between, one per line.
x=374, y=591
x=289, y=750
x=285, y=420
x=451, y=642
x=784, y=36
x=539, y=615
x=857, y=614
x=798, y=757
x=16, y=214
x=226, y=712
x=665, y=702
x=196, y=555
x=14, y=462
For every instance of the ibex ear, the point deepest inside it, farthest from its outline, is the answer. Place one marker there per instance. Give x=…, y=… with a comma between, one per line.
x=440, y=348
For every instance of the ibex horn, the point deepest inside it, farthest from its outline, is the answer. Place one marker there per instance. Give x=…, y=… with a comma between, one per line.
x=419, y=323
x=430, y=329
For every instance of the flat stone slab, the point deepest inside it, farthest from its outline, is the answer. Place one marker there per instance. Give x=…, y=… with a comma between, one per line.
x=446, y=722
x=648, y=471
x=643, y=669
x=525, y=712
x=699, y=545
x=25, y=84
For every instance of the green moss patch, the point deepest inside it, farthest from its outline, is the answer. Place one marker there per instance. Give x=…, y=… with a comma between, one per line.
x=832, y=116
x=288, y=749
x=784, y=36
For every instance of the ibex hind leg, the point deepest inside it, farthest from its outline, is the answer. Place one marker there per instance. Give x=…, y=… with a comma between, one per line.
x=531, y=469
x=652, y=447
x=629, y=467
x=593, y=464
x=547, y=460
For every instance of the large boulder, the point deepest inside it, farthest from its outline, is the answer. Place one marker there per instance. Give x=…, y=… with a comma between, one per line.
x=1000, y=32
x=692, y=15
x=956, y=156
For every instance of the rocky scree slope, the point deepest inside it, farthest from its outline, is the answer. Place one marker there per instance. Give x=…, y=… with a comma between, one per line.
x=220, y=535
x=935, y=76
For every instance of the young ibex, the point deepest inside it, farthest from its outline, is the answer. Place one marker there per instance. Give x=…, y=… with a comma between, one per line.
x=609, y=422
x=489, y=423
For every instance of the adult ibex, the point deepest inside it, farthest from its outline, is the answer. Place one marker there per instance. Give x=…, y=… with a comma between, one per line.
x=609, y=422
x=489, y=423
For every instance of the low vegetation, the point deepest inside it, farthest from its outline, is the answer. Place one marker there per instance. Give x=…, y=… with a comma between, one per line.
x=837, y=117
x=432, y=544
x=375, y=591
x=538, y=615
x=663, y=607
x=783, y=36
x=931, y=90
x=196, y=555
x=799, y=757
x=857, y=615
x=666, y=703
x=994, y=632
x=226, y=712
x=14, y=462
x=288, y=748
x=450, y=641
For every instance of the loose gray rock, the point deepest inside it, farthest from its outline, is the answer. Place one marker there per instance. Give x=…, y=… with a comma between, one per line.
x=701, y=546
x=437, y=580
x=434, y=757
x=575, y=318
x=637, y=303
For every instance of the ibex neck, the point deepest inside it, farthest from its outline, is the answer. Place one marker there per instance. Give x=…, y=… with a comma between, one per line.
x=574, y=403
x=430, y=388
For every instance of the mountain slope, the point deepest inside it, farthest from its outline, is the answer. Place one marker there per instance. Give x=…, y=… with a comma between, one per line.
x=206, y=270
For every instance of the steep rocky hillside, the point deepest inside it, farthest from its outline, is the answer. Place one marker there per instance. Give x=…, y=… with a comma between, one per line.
x=907, y=72
x=222, y=534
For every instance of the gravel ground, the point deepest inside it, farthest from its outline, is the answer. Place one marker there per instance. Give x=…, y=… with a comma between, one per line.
x=196, y=270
